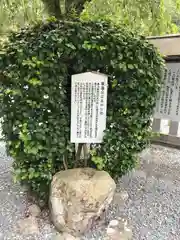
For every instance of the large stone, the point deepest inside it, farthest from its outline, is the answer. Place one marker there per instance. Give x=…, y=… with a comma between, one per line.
x=78, y=197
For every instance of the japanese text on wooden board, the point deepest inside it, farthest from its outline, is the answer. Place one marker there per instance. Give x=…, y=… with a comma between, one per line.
x=168, y=103
x=88, y=107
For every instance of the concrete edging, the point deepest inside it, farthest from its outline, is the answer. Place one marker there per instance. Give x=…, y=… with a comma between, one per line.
x=167, y=140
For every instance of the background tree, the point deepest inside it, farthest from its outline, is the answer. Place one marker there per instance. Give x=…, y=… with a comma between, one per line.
x=17, y=13
x=175, y=15
x=148, y=17
x=58, y=8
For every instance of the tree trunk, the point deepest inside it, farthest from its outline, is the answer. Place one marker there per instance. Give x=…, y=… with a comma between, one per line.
x=53, y=7
x=76, y=5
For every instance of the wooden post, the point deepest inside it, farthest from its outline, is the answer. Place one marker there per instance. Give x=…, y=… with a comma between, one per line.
x=173, y=129
x=156, y=125
x=86, y=153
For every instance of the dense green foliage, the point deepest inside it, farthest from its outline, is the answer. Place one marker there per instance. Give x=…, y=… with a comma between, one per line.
x=36, y=69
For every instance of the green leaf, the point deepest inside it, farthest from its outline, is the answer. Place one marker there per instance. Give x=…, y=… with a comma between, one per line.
x=114, y=83
x=70, y=45
x=130, y=66
x=35, y=82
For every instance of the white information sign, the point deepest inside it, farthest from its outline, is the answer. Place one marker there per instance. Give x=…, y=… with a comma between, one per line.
x=168, y=104
x=88, y=107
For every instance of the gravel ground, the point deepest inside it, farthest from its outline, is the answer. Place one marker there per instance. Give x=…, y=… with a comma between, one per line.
x=153, y=205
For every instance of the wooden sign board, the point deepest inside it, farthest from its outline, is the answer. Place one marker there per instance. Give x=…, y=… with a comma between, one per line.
x=88, y=107
x=168, y=104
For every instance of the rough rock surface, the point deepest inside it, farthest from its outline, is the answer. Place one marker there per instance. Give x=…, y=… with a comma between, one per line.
x=78, y=197
x=66, y=236
x=120, y=197
x=28, y=226
x=119, y=230
x=34, y=210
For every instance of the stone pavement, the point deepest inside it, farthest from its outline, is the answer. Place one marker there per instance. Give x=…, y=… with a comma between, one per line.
x=152, y=206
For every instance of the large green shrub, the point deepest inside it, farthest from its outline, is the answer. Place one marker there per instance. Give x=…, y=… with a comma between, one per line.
x=36, y=69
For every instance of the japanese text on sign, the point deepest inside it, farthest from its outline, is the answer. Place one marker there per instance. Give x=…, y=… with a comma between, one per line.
x=88, y=107
x=168, y=104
